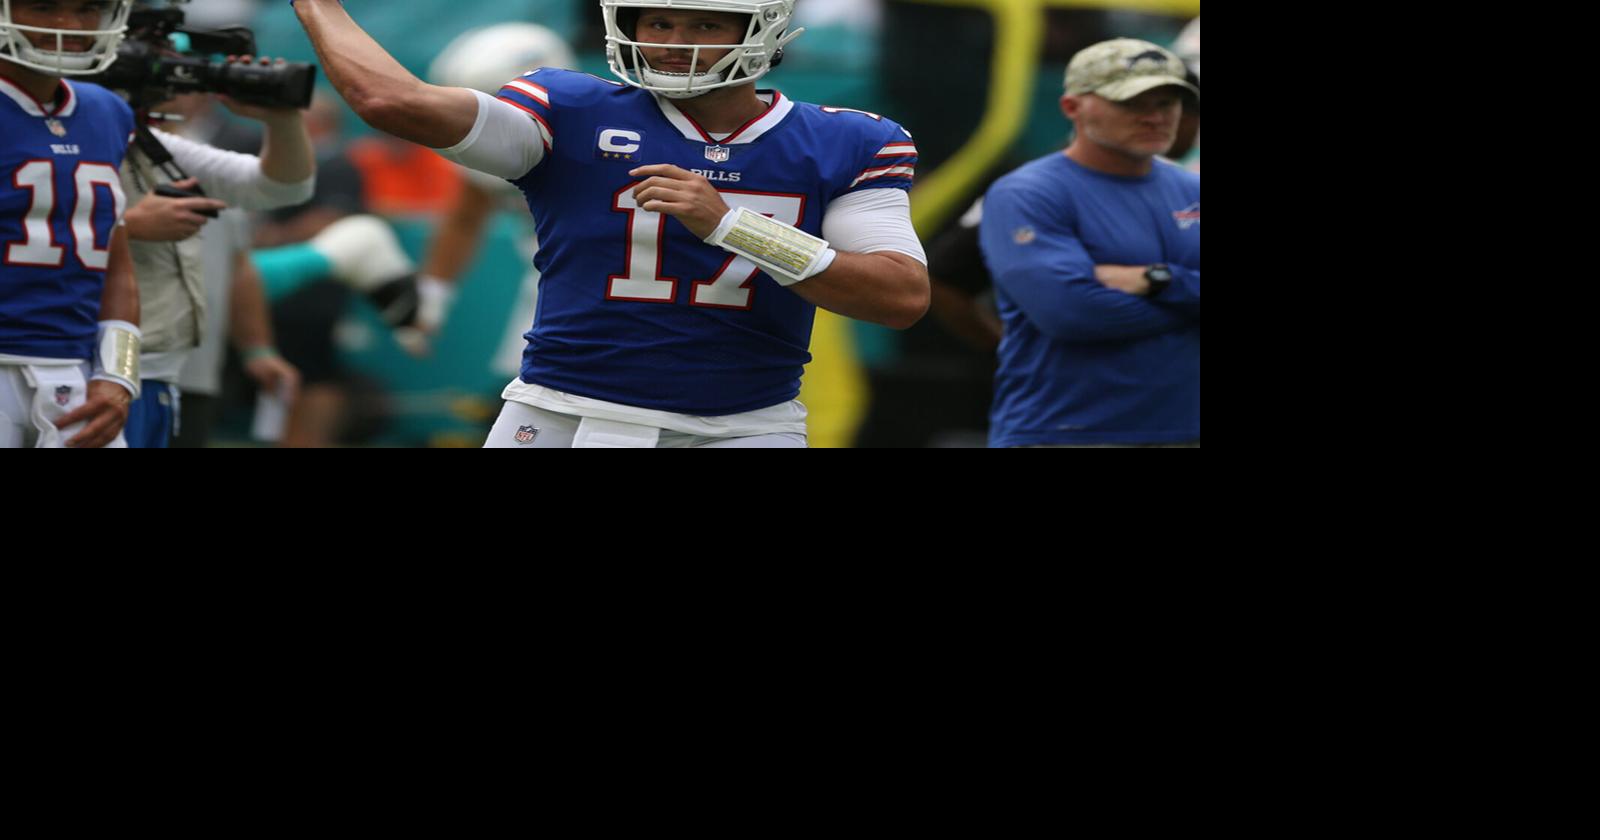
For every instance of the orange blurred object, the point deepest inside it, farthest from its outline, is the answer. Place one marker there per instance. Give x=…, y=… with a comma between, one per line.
x=403, y=178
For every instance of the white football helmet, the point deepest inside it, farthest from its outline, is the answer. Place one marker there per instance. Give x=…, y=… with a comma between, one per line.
x=485, y=59
x=747, y=61
x=107, y=36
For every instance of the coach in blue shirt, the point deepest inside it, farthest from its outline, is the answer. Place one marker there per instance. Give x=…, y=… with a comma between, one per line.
x=1095, y=253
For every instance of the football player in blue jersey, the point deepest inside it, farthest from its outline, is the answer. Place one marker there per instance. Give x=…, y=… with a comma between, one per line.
x=69, y=309
x=689, y=223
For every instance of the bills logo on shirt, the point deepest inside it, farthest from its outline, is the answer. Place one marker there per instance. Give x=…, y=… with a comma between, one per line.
x=618, y=144
x=1188, y=217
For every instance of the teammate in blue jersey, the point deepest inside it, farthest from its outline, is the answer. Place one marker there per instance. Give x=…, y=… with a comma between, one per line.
x=1095, y=254
x=69, y=309
x=689, y=223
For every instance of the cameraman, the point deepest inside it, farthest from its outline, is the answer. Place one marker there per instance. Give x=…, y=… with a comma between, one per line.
x=166, y=234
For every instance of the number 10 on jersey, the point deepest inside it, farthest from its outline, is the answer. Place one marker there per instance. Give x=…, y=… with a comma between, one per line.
x=38, y=247
x=733, y=287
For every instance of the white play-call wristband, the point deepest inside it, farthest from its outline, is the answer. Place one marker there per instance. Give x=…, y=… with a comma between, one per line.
x=785, y=252
x=117, y=355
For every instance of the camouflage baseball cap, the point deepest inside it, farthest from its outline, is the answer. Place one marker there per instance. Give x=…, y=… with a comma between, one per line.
x=1123, y=68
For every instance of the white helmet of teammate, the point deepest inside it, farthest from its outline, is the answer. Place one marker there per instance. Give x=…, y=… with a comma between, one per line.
x=1188, y=45
x=750, y=59
x=56, y=59
x=485, y=59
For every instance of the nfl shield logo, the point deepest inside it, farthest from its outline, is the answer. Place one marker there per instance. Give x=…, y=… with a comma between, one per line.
x=526, y=434
x=718, y=154
x=56, y=127
x=63, y=395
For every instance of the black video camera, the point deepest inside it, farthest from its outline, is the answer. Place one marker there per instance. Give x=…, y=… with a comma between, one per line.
x=149, y=71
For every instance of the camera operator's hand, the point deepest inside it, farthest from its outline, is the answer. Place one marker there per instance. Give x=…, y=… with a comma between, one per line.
x=257, y=112
x=287, y=156
x=161, y=219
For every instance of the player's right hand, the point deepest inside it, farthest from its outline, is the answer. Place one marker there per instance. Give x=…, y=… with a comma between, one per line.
x=161, y=219
x=681, y=194
x=104, y=414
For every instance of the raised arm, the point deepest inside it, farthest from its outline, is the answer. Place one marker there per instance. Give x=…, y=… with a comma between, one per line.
x=378, y=88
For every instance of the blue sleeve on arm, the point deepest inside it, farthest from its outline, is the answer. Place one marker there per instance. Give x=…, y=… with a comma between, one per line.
x=1030, y=242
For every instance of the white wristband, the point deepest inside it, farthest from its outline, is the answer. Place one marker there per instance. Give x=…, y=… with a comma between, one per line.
x=116, y=358
x=434, y=297
x=785, y=252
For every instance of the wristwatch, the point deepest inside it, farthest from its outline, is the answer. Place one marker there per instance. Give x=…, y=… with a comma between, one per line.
x=1159, y=277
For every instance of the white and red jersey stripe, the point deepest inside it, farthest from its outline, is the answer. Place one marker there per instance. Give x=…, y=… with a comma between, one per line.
x=895, y=150
x=528, y=98
x=778, y=109
x=33, y=107
x=909, y=172
x=537, y=92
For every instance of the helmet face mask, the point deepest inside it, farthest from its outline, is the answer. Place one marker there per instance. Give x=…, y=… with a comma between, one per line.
x=757, y=53
x=55, y=59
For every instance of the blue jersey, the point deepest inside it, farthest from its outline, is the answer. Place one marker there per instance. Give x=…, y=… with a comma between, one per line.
x=1081, y=363
x=635, y=309
x=60, y=199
